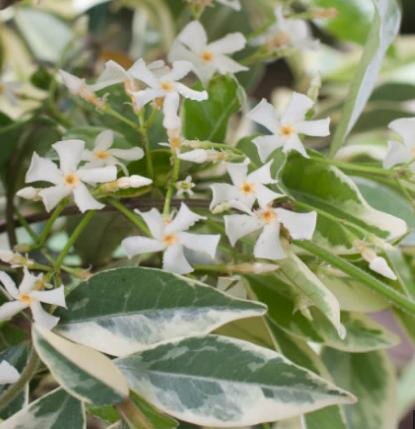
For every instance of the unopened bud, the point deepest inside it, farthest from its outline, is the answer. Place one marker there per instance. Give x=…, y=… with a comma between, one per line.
x=134, y=181
x=29, y=193
x=220, y=208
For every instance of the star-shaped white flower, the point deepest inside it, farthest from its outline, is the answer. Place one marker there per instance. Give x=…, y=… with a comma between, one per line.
x=69, y=178
x=171, y=238
x=246, y=187
x=185, y=187
x=286, y=33
x=103, y=155
x=8, y=373
x=287, y=127
x=401, y=152
x=166, y=87
x=300, y=226
x=27, y=296
x=207, y=58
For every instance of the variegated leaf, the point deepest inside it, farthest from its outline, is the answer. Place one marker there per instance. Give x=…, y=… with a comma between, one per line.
x=83, y=372
x=126, y=310
x=223, y=382
x=56, y=410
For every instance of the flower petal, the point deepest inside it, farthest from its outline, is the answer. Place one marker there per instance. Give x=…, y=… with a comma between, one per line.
x=10, y=309
x=238, y=171
x=8, y=373
x=141, y=98
x=265, y=195
x=183, y=220
x=28, y=282
x=234, y=4
x=227, y=65
x=140, y=71
x=199, y=156
x=53, y=296
x=301, y=226
x=104, y=140
x=179, y=70
x=266, y=145
x=171, y=119
x=43, y=169
x=98, y=175
x=264, y=114
x=238, y=226
x=174, y=260
x=154, y=221
x=268, y=245
x=297, y=108
x=294, y=143
x=202, y=243
x=73, y=83
x=222, y=192
x=138, y=245
x=194, y=36
x=84, y=200
x=405, y=127
x=53, y=195
x=42, y=317
x=262, y=175
x=380, y=266
x=132, y=154
x=191, y=94
x=9, y=284
x=113, y=73
x=232, y=42
x=318, y=128
x=398, y=153
x=70, y=154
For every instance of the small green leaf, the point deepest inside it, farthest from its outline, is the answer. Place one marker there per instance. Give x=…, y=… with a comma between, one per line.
x=125, y=310
x=83, y=372
x=208, y=120
x=383, y=31
x=406, y=389
x=56, y=410
x=219, y=381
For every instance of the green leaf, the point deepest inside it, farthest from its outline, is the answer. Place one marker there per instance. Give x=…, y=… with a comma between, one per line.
x=369, y=376
x=394, y=91
x=208, y=120
x=56, y=410
x=383, y=31
x=125, y=310
x=83, y=372
x=406, y=389
x=329, y=190
x=155, y=417
x=218, y=381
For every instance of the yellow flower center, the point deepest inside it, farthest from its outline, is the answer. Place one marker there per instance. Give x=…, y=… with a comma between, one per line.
x=279, y=40
x=158, y=103
x=71, y=179
x=25, y=298
x=175, y=142
x=247, y=188
x=102, y=154
x=268, y=216
x=207, y=56
x=167, y=86
x=170, y=239
x=287, y=130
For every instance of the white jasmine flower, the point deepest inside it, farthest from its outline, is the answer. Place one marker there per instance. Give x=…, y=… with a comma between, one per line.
x=286, y=33
x=185, y=187
x=301, y=226
x=376, y=263
x=14, y=259
x=246, y=187
x=27, y=296
x=8, y=373
x=207, y=58
x=103, y=155
x=133, y=181
x=69, y=178
x=401, y=152
x=171, y=238
x=200, y=156
x=29, y=193
x=79, y=87
x=167, y=88
x=287, y=127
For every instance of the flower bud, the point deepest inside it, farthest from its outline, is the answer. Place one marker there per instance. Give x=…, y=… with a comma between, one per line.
x=29, y=193
x=134, y=181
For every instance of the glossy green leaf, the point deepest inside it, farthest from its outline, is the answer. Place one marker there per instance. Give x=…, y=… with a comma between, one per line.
x=369, y=376
x=384, y=28
x=208, y=120
x=56, y=410
x=329, y=190
x=83, y=372
x=218, y=381
x=125, y=310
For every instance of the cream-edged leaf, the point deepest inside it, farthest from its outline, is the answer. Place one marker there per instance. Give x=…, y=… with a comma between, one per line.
x=83, y=372
x=126, y=310
x=223, y=382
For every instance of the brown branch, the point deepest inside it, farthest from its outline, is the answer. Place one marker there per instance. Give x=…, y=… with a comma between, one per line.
x=142, y=204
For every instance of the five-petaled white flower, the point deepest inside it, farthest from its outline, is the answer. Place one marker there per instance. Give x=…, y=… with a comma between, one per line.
x=166, y=88
x=171, y=238
x=69, y=178
x=185, y=187
x=103, y=154
x=300, y=226
x=286, y=33
x=400, y=153
x=27, y=295
x=246, y=187
x=8, y=373
x=285, y=128
x=207, y=58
